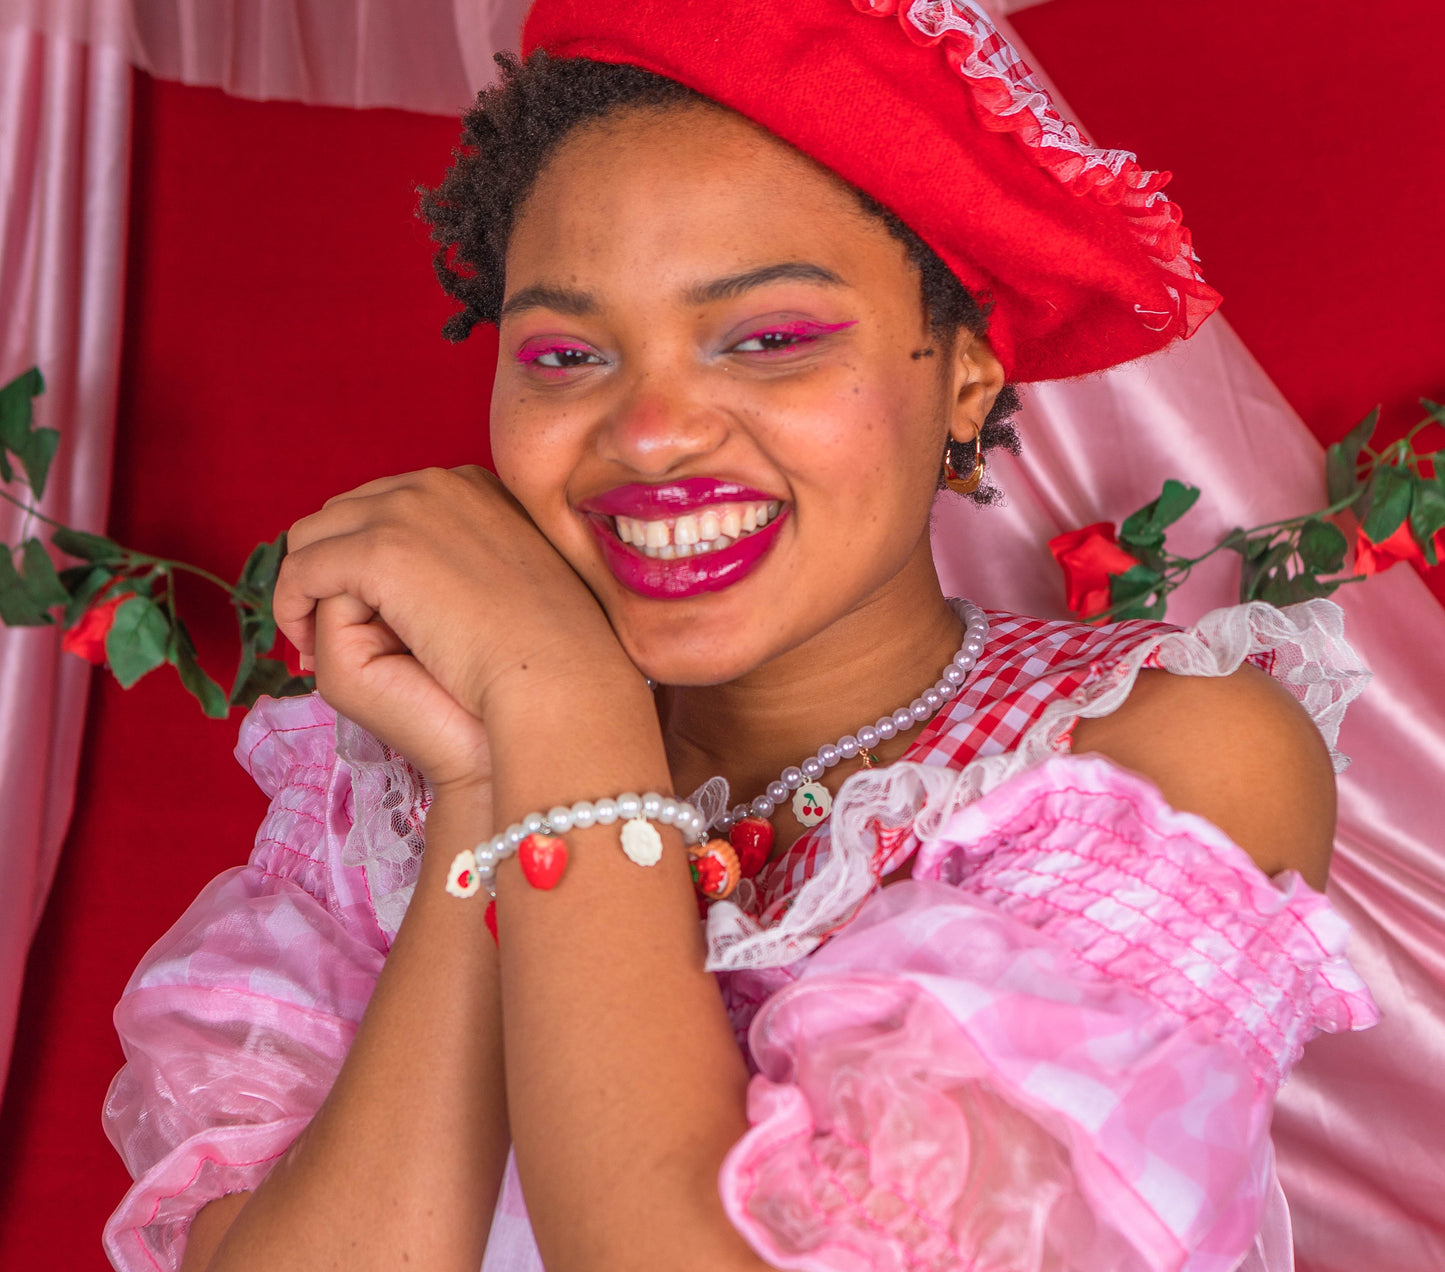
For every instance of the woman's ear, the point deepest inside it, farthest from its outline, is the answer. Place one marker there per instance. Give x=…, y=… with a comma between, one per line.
x=978, y=379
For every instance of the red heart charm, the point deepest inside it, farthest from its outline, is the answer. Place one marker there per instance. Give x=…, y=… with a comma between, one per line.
x=542, y=858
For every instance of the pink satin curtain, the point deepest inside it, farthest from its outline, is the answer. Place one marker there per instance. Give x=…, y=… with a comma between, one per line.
x=64, y=172
x=1358, y=1124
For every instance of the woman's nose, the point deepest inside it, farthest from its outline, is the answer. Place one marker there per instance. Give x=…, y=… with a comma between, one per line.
x=660, y=422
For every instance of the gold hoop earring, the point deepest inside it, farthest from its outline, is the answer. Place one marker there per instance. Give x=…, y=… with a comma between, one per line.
x=951, y=479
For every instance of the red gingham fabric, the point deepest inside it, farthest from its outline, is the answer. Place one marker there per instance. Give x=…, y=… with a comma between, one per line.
x=1027, y=664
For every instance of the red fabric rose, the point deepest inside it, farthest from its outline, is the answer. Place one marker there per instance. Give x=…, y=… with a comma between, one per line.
x=87, y=638
x=1375, y=558
x=1090, y=558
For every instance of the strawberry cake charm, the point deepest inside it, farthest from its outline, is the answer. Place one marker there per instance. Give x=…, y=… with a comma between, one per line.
x=752, y=840
x=715, y=870
x=542, y=858
x=812, y=803
x=463, y=880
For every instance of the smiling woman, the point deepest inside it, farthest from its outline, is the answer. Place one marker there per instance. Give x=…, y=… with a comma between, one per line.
x=961, y=999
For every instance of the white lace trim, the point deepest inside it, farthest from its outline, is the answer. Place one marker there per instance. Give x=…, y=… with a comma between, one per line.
x=1310, y=657
x=389, y=800
x=994, y=58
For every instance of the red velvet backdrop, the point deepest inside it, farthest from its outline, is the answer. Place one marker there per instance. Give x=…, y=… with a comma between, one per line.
x=281, y=345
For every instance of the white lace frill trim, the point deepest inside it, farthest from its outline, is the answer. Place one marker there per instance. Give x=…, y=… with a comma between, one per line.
x=1305, y=649
x=389, y=800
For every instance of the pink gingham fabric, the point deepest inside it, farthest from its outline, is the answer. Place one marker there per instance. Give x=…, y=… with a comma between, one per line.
x=1072, y=1019
x=1056, y=1046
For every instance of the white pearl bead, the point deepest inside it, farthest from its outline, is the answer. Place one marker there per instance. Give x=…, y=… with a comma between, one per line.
x=933, y=698
x=903, y=719
x=605, y=811
x=886, y=728
x=629, y=806
x=867, y=737
x=973, y=646
x=847, y=746
x=485, y=855
x=919, y=710
x=583, y=814
x=652, y=805
x=485, y=871
x=667, y=813
x=793, y=777
x=777, y=792
x=514, y=835
x=559, y=818
x=762, y=806
x=741, y=811
x=812, y=768
x=954, y=674
x=532, y=823
x=945, y=691
x=829, y=754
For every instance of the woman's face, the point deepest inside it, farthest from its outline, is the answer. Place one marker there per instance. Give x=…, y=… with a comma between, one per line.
x=717, y=394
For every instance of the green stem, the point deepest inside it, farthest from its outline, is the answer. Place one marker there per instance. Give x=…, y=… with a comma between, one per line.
x=132, y=559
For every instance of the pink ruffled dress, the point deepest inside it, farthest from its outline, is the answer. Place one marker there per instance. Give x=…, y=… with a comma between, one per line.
x=1055, y=1047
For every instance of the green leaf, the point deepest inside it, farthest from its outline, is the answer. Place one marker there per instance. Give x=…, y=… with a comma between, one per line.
x=1280, y=588
x=138, y=641
x=1145, y=528
x=267, y=676
x=1427, y=517
x=182, y=655
x=258, y=634
x=1390, y=492
x=258, y=576
x=1259, y=568
x=1342, y=459
x=84, y=583
x=1133, y=590
x=33, y=447
x=297, y=687
x=88, y=547
x=17, y=606
x=41, y=580
x=1434, y=410
x=1322, y=547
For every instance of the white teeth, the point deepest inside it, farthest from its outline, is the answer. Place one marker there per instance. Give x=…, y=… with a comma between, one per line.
x=695, y=534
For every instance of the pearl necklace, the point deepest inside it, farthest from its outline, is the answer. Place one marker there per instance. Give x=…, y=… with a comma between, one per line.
x=812, y=801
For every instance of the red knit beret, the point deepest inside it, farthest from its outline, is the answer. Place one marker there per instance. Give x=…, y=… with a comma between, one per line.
x=923, y=105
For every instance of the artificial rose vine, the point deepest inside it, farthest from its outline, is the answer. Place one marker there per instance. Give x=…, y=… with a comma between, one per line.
x=117, y=606
x=1396, y=506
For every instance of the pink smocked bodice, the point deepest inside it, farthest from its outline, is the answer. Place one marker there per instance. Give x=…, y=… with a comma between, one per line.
x=1056, y=1046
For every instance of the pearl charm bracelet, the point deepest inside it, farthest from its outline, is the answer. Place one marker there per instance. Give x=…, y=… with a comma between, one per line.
x=536, y=839
x=812, y=801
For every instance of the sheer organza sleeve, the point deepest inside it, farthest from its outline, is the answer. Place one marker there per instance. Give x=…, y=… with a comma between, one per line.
x=236, y=1022
x=1055, y=1048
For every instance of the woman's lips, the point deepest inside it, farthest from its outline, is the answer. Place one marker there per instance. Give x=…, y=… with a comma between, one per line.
x=670, y=499
x=681, y=577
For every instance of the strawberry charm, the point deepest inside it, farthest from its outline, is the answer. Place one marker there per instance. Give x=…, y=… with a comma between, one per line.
x=542, y=858
x=752, y=840
x=812, y=803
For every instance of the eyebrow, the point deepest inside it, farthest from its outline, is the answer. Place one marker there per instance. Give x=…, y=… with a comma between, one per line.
x=580, y=304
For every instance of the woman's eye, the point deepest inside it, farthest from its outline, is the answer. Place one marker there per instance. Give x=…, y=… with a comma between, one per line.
x=772, y=342
x=558, y=358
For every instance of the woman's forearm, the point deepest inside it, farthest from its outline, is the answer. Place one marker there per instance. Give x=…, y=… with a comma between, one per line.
x=403, y=1160
x=625, y=1084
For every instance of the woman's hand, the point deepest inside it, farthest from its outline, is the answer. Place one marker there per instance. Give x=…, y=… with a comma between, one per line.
x=424, y=600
